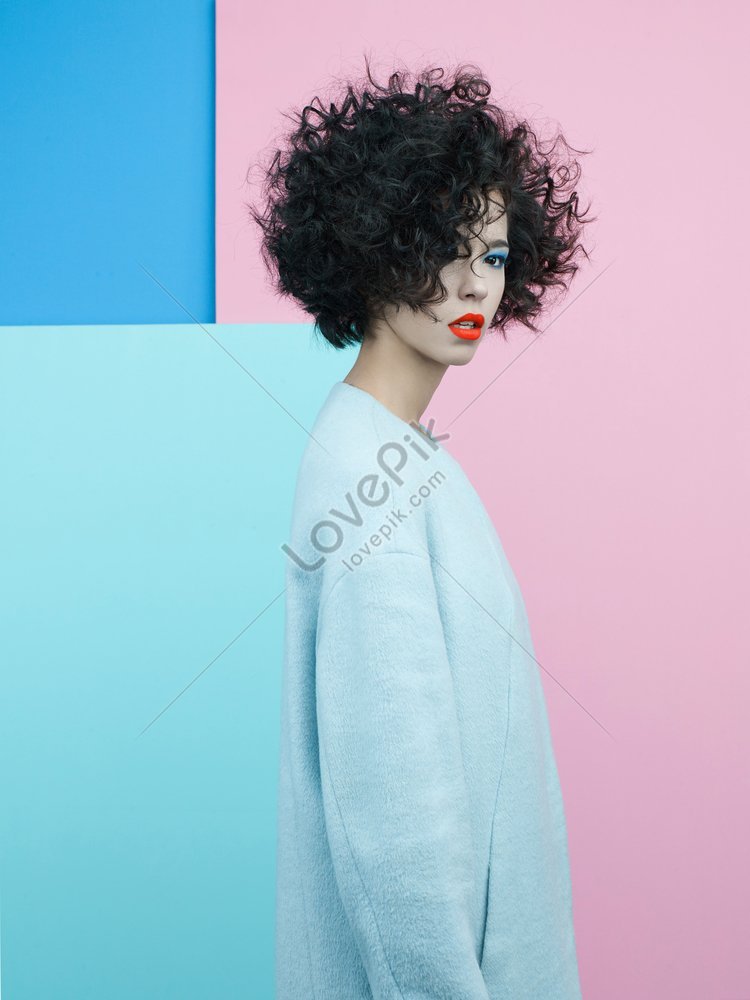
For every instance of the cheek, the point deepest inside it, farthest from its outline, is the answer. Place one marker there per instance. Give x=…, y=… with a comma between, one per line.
x=424, y=333
x=416, y=329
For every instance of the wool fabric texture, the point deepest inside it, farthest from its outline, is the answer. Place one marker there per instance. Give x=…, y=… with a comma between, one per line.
x=422, y=849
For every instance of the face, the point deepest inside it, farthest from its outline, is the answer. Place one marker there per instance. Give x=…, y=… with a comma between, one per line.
x=474, y=284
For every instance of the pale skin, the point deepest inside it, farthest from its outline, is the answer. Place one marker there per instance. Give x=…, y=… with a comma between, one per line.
x=405, y=355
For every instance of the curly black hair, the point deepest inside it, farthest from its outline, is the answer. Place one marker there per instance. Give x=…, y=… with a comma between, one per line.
x=364, y=206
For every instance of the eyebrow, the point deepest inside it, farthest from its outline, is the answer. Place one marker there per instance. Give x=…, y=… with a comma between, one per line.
x=498, y=243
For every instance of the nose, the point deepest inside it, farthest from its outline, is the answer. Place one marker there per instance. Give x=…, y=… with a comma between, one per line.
x=474, y=287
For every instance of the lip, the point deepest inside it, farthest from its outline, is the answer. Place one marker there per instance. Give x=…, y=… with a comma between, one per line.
x=468, y=333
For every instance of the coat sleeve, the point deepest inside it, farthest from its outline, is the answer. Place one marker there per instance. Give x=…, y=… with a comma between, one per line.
x=394, y=790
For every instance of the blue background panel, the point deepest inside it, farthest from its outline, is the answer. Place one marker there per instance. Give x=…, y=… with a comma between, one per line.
x=148, y=487
x=106, y=162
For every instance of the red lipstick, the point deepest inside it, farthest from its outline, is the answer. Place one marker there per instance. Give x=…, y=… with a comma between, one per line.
x=471, y=328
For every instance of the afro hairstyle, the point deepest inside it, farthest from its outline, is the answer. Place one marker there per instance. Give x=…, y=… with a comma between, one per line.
x=364, y=204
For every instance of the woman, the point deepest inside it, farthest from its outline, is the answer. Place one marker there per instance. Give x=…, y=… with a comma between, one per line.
x=422, y=847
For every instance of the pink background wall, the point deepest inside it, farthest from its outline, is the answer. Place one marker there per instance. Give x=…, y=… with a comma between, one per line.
x=612, y=454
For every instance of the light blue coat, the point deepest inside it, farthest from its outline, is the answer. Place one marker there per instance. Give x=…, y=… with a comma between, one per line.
x=422, y=849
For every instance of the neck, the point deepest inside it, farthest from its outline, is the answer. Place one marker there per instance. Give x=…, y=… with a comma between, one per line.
x=399, y=377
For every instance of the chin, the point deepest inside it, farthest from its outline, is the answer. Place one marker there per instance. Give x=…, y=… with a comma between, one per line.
x=463, y=354
x=463, y=351
x=465, y=359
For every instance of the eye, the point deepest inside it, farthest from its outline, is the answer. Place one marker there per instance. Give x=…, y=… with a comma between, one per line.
x=497, y=256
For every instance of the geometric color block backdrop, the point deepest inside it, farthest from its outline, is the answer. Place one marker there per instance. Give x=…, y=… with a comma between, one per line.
x=612, y=453
x=148, y=475
x=147, y=491
x=106, y=162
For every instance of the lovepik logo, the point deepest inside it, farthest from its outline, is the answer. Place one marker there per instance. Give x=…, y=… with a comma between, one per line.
x=374, y=489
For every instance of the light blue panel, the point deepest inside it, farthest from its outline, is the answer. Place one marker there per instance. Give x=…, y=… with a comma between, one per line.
x=107, y=162
x=147, y=489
